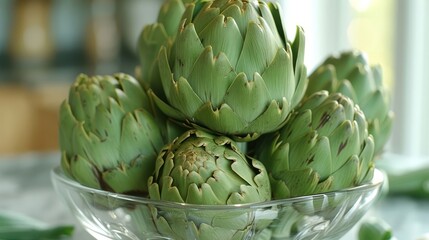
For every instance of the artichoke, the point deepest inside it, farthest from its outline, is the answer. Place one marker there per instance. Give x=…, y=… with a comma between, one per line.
x=352, y=75
x=324, y=146
x=231, y=69
x=200, y=168
x=108, y=137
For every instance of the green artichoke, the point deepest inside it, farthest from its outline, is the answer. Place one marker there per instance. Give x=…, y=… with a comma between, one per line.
x=352, y=75
x=201, y=168
x=231, y=69
x=108, y=138
x=324, y=146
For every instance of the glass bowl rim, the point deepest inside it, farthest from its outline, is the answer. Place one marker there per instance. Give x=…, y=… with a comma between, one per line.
x=57, y=175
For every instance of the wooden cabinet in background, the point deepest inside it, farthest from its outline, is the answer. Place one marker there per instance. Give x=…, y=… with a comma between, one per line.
x=29, y=118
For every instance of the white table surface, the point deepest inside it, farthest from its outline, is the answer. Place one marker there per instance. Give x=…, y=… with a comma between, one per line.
x=25, y=187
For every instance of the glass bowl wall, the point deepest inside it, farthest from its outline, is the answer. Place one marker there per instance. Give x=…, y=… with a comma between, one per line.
x=107, y=215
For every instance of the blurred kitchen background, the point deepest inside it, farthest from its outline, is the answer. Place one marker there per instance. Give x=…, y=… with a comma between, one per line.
x=45, y=44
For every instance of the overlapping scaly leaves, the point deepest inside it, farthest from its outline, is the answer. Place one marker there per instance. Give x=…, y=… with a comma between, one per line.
x=108, y=137
x=201, y=168
x=231, y=69
x=204, y=169
x=152, y=37
x=352, y=75
x=323, y=147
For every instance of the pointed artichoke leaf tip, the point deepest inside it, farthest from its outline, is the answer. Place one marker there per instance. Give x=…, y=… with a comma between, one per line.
x=276, y=12
x=298, y=48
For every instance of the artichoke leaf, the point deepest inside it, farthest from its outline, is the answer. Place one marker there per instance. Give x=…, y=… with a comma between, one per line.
x=188, y=48
x=203, y=194
x=170, y=14
x=328, y=117
x=374, y=105
x=85, y=172
x=100, y=144
x=347, y=62
x=128, y=91
x=169, y=192
x=302, y=84
x=361, y=79
x=259, y=49
x=136, y=127
x=277, y=158
x=324, y=77
x=166, y=108
x=301, y=126
x=366, y=166
x=129, y=174
x=313, y=152
x=314, y=100
x=298, y=47
x=280, y=190
x=346, y=175
x=242, y=13
x=67, y=123
x=207, y=232
x=304, y=180
x=270, y=12
x=261, y=179
x=245, y=195
x=103, y=123
x=346, y=88
x=211, y=77
x=222, y=119
x=272, y=118
x=278, y=76
x=183, y=97
x=325, y=185
x=344, y=142
x=249, y=99
x=203, y=17
x=223, y=35
x=222, y=184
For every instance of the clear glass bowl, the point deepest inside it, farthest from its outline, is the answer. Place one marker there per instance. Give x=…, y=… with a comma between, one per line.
x=107, y=215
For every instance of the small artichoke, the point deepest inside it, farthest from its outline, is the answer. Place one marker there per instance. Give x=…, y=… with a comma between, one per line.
x=324, y=146
x=351, y=74
x=231, y=69
x=201, y=168
x=108, y=138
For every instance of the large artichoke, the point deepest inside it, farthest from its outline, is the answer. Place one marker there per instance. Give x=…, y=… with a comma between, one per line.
x=324, y=146
x=232, y=69
x=201, y=168
x=351, y=74
x=108, y=138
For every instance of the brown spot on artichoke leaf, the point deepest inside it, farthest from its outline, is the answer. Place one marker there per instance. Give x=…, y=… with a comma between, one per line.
x=310, y=159
x=181, y=63
x=323, y=120
x=342, y=146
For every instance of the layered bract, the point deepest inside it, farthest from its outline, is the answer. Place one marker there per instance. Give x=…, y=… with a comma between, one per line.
x=231, y=69
x=108, y=137
x=323, y=147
